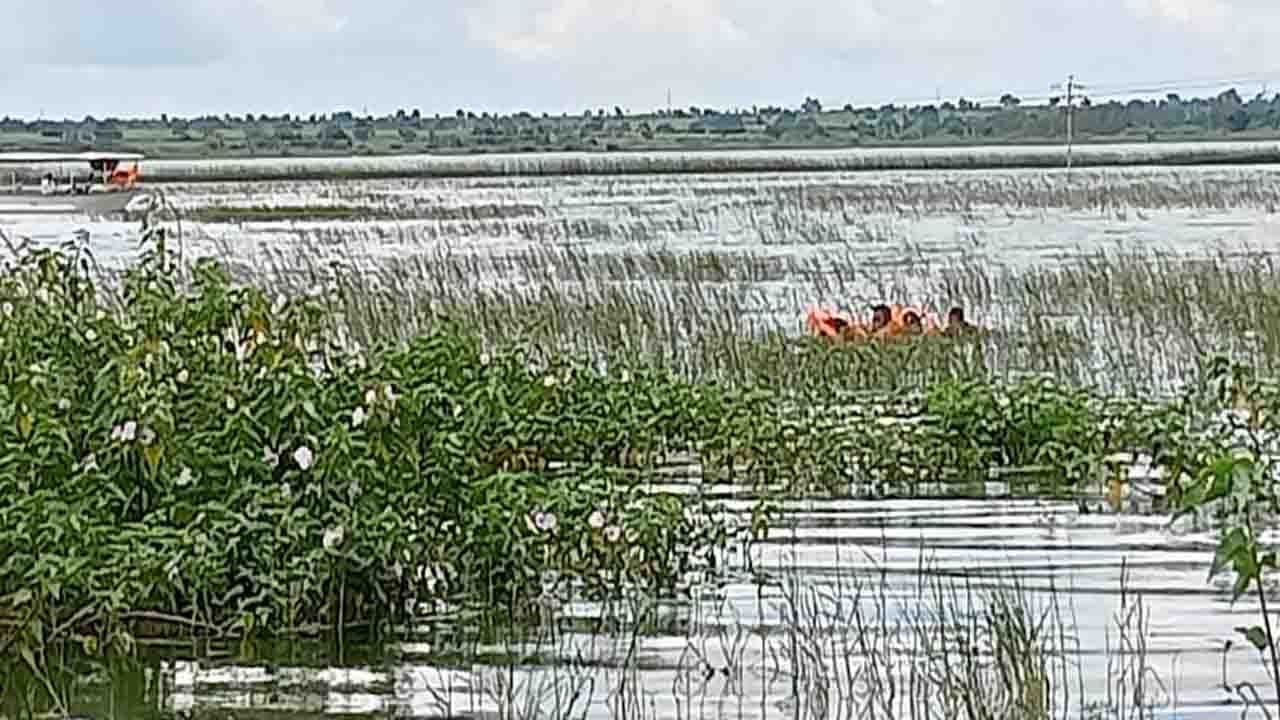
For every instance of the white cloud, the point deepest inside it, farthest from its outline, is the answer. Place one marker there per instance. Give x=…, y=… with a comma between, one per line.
x=552, y=55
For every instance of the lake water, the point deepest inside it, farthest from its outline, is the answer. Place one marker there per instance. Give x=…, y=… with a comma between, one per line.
x=841, y=574
x=738, y=652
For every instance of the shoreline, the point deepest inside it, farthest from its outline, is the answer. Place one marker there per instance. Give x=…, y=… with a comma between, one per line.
x=621, y=163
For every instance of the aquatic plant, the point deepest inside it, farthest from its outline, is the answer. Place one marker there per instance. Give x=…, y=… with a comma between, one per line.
x=204, y=457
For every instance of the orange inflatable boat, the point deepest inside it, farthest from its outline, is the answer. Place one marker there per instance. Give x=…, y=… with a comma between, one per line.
x=903, y=321
x=824, y=323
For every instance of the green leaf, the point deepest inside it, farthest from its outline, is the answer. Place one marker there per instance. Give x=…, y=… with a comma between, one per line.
x=1241, y=586
x=1230, y=544
x=1256, y=636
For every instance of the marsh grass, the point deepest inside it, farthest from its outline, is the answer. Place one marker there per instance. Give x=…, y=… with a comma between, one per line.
x=853, y=644
x=1124, y=320
x=674, y=162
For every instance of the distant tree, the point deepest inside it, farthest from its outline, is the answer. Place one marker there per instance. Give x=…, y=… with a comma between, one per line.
x=416, y=114
x=811, y=105
x=617, y=110
x=1008, y=101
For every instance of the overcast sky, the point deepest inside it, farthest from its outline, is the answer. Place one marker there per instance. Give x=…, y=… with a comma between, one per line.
x=144, y=57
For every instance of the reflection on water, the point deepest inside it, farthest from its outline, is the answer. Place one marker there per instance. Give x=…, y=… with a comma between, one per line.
x=842, y=598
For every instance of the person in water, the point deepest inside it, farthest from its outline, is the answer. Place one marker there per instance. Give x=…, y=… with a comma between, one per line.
x=956, y=322
x=881, y=320
x=911, y=323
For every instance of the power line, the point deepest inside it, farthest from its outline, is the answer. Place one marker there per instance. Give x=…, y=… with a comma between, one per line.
x=1103, y=90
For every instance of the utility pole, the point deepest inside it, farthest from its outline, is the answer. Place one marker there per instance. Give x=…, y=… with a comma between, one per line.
x=1071, y=87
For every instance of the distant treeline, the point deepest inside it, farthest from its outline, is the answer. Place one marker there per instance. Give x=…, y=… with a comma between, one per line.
x=960, y=122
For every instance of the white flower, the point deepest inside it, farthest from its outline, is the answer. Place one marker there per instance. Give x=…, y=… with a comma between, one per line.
x=371, y=397
x=148, y=436
x=64, y=404
x=7, y=308
x=390, y=393
x=358, y=417
x=100, y=316
x=183, y=376
x=544, y=521
x=613, y=533
x=333, y=537
x=43, y=296
x=303, y=457
x=231, y=403
x=626, y=376
x=91, y=335
x=484, y=359
x=270, y=458
x=549, y=381
x=89, y=463
x=596, y=520
x=185, y=477
x=128, y=431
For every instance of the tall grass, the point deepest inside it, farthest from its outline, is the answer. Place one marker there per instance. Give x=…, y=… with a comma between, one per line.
x=621, y=163
x=771, y=206
x=1124, y=320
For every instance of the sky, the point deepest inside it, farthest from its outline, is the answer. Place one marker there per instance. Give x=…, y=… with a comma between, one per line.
x=73, y=58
